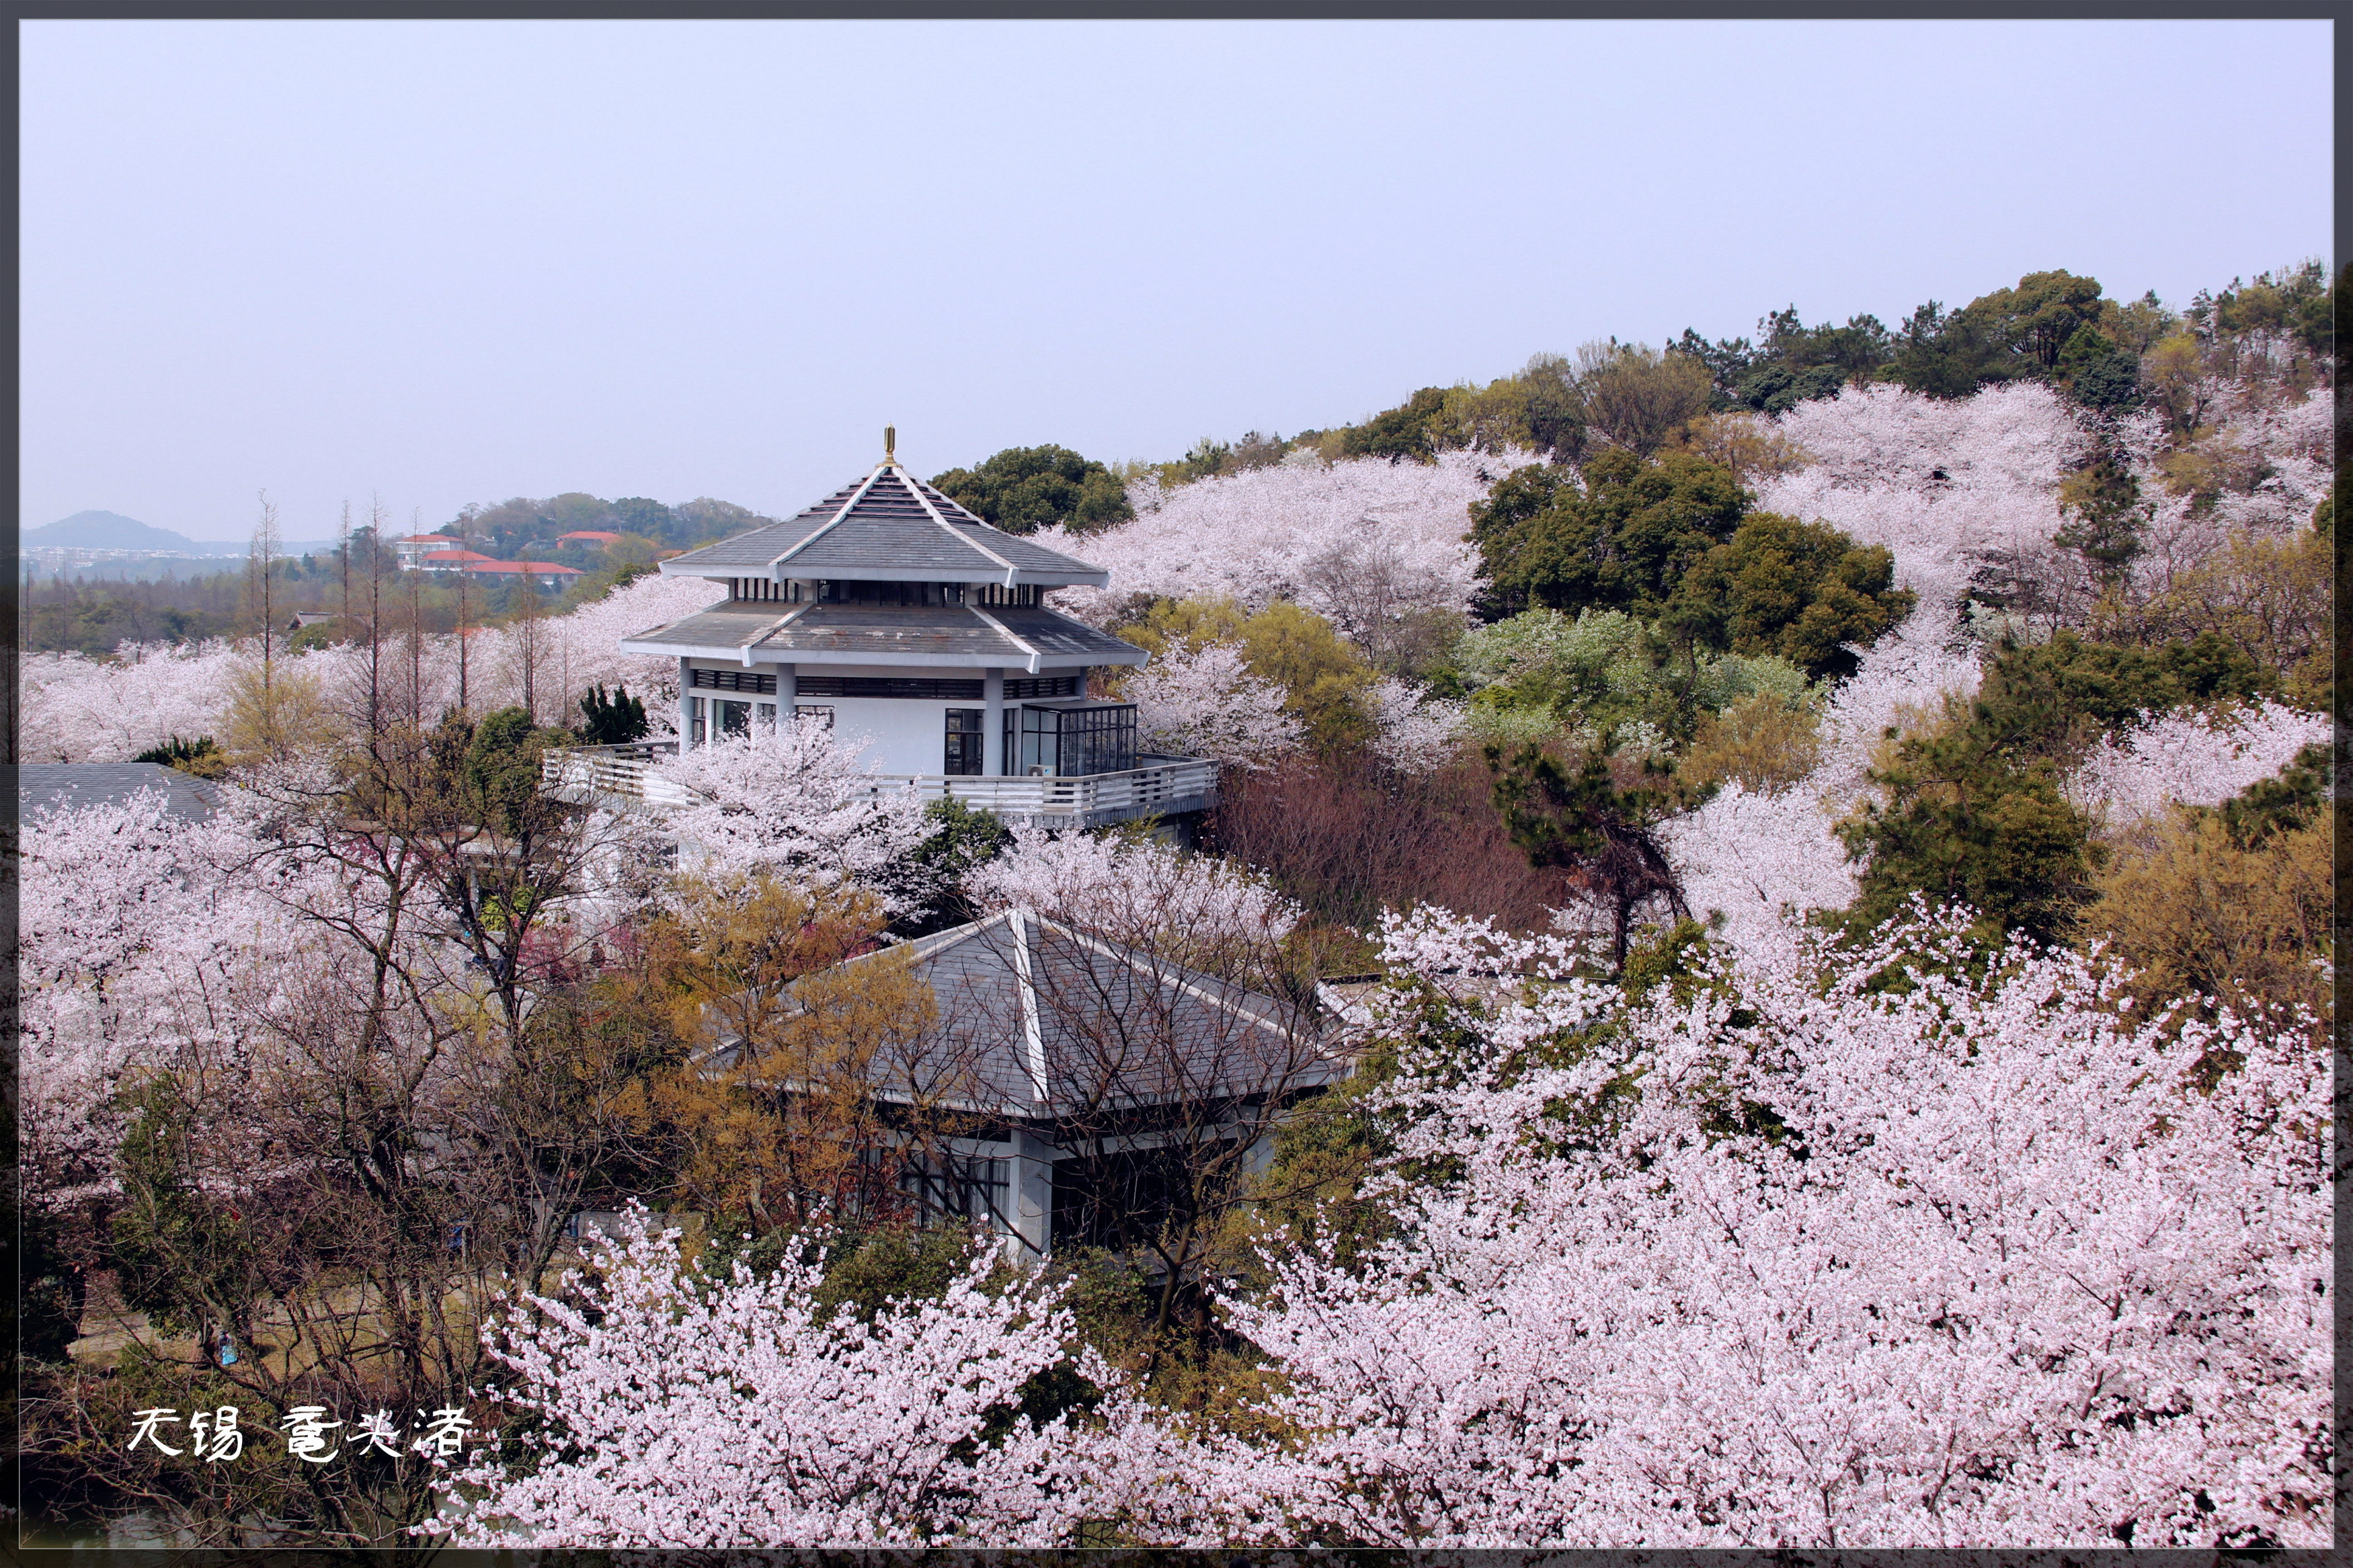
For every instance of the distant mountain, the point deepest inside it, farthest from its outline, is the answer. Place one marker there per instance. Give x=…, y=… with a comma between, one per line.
x=110, y=530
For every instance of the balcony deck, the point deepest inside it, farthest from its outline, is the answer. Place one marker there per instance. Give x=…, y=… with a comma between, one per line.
x=622, y=777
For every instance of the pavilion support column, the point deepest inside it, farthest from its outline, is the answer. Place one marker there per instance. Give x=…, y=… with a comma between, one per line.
x=992, y=723
x=686, y=706
x=788, y=691
x=1033, y=1194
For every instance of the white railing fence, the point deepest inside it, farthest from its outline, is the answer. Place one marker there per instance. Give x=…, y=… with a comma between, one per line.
x=624, y=771
x=1163, y=783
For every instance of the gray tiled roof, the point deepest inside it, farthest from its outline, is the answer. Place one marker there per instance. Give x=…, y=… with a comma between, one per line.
x=1022, y=1000
x=61, y=786
x=1053, y=633
x=959, y=634
x=889, y=525
x=719, y=627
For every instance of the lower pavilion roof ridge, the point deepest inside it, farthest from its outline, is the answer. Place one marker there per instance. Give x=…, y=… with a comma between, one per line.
x=951, y=636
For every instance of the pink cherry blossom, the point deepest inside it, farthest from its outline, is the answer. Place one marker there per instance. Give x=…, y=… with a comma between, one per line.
x=1205, y=702
x=1940, y=482
x=1358, y=542
x=684, y=1411
x=789, y=800
x=135, y=926
x=80, y=709
x=1126, y=886
x=1752, y=856
x=1791, y=1261
x=2195, y=759
x=1414, y=732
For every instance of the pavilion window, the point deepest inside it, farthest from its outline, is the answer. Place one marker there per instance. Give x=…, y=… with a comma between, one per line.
x=854, y=591
x=733, y=680
x=948, y=1186
x=963, y=734
x=1069, y=739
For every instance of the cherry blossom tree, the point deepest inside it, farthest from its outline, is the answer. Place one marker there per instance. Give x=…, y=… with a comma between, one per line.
x=1360, y=542
x=1413, y=730
x=787, y=800
x=132, y=920
x=676, y=1410
x=1787, y=1259
x=1205, y=702
x=1124, y=883
x=1942, y=483
x=1901, y=680
x=1757, y=859
x=81, y=709
x=582, y=649
x=2194, y=759
x=2255, y=470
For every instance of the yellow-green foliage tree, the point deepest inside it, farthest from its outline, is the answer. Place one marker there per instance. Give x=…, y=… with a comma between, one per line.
x=2201, y=911
x=804, y=1076
x=1323, y=675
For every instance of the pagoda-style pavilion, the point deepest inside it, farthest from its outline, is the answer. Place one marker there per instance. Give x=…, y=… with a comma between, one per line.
x=888, y=612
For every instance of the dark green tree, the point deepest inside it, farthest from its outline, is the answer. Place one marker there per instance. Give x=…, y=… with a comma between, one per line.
x=2101, y=373
x=2034, y=321
x=2006, y=335
x=1403, y=434
x=1555, y=413
x=1776, y=388
x=1024, y=488
x=201, y=756
x=1623, y=543
x=2054, y=698
x=1799, y=591
x=2284, y=804
x=1942, y=354
x=638, y=514
x=1790, y=363
x=615, y=720
x=1975, y=816
x=961, y=839
x=500, y=774
x=1580, y=815
x=1966, y=821
x=2105, y=516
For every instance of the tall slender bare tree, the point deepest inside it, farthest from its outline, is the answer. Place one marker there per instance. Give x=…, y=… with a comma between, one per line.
x=261, y=581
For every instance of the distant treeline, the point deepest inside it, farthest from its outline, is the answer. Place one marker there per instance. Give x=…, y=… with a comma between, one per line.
x=95, y=618
x=2055, y=326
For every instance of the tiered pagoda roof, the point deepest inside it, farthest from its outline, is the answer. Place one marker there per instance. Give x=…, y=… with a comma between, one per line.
x=889, y=527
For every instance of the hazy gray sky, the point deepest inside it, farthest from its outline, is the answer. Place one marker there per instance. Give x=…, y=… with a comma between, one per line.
x=442, y=262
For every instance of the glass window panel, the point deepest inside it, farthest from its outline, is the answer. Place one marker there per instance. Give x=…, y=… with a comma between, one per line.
x=964, y=732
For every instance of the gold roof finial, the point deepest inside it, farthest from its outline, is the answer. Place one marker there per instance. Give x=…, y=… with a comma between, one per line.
x=889, y=443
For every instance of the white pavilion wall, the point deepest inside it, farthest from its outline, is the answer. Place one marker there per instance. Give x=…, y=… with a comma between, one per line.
x=909, y=735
